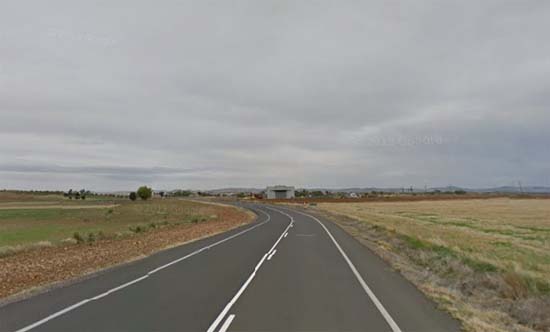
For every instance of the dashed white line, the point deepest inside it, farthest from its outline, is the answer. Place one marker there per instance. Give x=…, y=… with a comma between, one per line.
x=228, y=306
x=83, y=302
x=271, y=255
x=227, y=322
x=393, y=325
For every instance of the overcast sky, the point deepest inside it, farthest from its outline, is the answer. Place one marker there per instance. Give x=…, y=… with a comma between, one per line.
x=108, y=95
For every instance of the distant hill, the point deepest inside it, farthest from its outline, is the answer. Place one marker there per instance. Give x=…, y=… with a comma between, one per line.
x=502, y=189
x=510, y=189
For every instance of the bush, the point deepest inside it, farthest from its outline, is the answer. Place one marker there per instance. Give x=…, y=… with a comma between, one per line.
x=91, y=237
x=137, y=229
x=78, y=237
x=181, y=193
x=132, y=196
x=144, y=192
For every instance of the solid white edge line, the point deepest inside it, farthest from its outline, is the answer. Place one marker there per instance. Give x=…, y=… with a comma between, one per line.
x=227, y=322
x=112, y=290
x=59, y=313
x=118, y=288
x=228, y=306
x=393, y=325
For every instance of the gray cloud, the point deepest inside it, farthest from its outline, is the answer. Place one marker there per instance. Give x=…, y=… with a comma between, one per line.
x=109, y=95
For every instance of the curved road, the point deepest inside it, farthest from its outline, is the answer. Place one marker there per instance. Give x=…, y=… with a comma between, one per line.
x=288, y=271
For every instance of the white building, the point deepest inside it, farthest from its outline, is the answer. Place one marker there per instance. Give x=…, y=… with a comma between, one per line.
x=279, y=192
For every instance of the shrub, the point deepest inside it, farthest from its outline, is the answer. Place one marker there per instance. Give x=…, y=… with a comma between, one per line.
x=78, y=237
x=137, y=229
x=132, y=196
x=182, y=193
x=144, y=192
x=91, y=237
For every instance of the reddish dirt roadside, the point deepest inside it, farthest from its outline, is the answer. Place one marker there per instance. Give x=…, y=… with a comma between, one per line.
x=35, y=268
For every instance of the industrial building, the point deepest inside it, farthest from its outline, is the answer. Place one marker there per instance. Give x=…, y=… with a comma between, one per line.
x=279, y=192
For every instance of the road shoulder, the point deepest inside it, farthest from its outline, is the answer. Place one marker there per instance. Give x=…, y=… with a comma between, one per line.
x=410, y=308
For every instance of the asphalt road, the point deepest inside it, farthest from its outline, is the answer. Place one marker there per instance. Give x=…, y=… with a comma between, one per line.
x=286, y=272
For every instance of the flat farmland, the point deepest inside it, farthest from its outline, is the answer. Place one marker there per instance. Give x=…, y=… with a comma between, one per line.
x=47, y=239
x=57, y=219
x=509, y=234
x=485, y=261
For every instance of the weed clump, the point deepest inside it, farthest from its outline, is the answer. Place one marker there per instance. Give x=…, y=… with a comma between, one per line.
x=197, y=219
x=91, y=238
x=137, y=229
x=79, y=239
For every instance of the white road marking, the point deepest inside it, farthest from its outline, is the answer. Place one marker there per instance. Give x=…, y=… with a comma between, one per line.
x=228, y=306
x=393, y=325
x=118, y=288
x=227, y=322
x=81, y=303
x=286, y=234
x=271, y=255
x=59, y=313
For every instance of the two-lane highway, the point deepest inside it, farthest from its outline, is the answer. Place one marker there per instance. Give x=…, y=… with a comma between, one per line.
x=288, y=271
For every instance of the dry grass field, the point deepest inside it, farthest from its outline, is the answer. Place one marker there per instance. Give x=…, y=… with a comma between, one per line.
x=486, y=261
x=508, y=234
